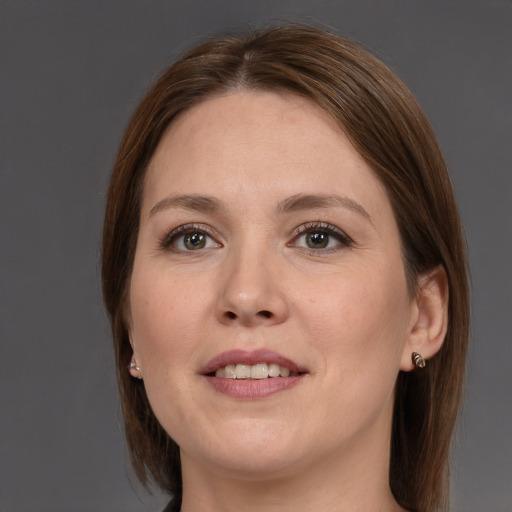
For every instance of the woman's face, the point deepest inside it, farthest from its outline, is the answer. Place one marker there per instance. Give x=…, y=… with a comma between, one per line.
x=267, y=245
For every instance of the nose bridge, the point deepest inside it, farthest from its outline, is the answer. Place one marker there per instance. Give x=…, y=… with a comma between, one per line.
x=251, y=293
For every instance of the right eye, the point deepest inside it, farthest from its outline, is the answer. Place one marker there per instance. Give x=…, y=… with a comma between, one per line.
x=189, y=238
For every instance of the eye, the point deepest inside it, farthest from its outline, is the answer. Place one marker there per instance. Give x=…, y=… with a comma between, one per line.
x=320, y=236
x=189, y=238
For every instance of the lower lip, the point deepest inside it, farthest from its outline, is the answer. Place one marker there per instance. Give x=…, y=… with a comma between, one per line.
x=250, y=389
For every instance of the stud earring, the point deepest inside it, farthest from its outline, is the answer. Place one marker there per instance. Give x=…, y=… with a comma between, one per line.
x=418, y=360
x=134, y=366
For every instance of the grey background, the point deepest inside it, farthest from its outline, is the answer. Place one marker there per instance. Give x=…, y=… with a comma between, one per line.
x=70, y=74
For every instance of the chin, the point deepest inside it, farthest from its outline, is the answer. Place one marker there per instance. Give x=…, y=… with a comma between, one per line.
x=252, y=465
x=248, y=449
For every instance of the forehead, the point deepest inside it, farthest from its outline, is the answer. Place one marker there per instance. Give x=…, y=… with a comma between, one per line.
x=272, y=144
x=255, y=108
x=252, y=118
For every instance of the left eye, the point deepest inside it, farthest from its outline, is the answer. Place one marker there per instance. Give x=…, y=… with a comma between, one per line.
x=321, y=238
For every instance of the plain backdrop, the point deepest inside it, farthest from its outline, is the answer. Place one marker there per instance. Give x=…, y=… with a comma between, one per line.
x=71, y=73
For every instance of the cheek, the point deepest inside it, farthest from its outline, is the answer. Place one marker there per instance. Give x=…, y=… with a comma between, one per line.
x=358, y=320
x=167, y=315
x=359, y=330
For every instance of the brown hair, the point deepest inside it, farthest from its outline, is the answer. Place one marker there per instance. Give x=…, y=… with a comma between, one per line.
x=382, y=119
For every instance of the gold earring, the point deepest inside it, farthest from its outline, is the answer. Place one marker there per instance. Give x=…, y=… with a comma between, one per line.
x=418, y=360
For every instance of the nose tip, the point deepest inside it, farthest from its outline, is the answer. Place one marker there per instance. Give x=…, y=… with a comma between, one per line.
x=251, y=296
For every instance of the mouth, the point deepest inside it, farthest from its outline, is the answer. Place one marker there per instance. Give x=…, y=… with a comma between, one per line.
x=255, y=374
x=258, y=371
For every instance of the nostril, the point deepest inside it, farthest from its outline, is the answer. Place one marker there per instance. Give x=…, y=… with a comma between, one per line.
x=248, y=318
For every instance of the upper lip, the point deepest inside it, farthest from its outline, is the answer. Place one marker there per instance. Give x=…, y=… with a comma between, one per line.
x=249, y=357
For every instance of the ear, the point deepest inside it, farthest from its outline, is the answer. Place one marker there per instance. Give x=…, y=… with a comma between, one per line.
x=429, y=317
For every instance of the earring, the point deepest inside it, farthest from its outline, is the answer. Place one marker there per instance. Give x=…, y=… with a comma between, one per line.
x=134, y=366
x=418, y=360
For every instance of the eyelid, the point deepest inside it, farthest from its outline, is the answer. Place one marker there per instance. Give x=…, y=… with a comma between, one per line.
x=325, y=227
x=166, y=242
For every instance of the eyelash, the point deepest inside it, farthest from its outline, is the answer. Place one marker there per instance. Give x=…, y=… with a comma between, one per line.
x=167, y=242
x=318, y=227
x=323, y=228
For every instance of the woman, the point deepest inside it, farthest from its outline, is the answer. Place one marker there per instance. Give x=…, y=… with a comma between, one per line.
x=284, y=270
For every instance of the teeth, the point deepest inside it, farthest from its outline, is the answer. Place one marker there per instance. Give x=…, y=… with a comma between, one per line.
x=259, y=371
x=284, y=372
x=243, y=371
x=229, y=371
x=255, y=371
x=273, y=370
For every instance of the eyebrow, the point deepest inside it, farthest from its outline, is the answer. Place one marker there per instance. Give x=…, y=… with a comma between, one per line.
x=297, y=202
x=318, y=201
x=193, y=202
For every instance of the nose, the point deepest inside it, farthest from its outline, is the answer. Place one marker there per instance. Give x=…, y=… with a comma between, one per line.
x=251, y=291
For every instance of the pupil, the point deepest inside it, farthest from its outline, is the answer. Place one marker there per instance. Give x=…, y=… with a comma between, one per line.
x=194, y=241
x=318, y=240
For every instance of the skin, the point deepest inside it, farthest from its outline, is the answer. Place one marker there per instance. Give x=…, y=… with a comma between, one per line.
x=342, y=312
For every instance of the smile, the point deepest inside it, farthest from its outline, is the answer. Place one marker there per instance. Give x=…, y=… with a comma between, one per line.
x=252, y=374
x=257, y=371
